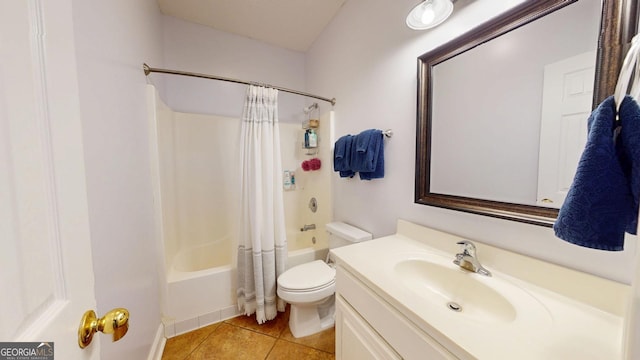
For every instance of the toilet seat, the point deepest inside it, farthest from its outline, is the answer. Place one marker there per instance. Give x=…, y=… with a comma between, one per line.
x=311, y=276
x=316, y=288
x=307, y=283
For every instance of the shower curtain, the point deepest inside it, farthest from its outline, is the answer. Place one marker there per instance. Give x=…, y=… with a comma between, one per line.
x=262, y=248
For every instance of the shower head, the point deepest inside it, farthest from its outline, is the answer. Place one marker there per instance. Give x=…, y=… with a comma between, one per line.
x=311, y=107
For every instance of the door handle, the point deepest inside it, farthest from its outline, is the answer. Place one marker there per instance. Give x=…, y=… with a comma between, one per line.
x=114, y=322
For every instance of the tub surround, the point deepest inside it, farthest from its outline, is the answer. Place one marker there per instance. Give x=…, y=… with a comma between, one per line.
x=551, y=312
x=194, y=213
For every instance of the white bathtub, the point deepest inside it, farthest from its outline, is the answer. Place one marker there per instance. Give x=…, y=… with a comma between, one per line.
x=202, y=284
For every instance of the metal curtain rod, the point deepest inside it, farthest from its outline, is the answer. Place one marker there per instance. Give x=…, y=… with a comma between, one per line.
x=148, y=70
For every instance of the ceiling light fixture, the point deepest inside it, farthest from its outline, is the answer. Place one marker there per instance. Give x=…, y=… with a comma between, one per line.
x=429, y=13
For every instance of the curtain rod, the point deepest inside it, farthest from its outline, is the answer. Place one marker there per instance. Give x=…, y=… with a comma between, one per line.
x=148, y=70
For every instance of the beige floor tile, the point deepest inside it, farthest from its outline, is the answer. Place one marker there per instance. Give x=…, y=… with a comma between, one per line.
x=273, y=327
x=324, y=340
x=179, y=347
x=284, y=350
x=233, y=343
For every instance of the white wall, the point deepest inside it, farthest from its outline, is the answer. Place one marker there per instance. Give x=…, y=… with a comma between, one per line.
x=366, y=58
x=196, y=48
x=113, y=39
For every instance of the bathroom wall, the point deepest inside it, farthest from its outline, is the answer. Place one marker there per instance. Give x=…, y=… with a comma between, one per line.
x=113, y=39
x=366, y=58
x=197, y=48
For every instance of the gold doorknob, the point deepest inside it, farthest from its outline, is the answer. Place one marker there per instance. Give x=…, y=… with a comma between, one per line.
x=114, y=322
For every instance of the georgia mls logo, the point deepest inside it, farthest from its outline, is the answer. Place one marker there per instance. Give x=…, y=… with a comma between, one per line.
x=26, y=350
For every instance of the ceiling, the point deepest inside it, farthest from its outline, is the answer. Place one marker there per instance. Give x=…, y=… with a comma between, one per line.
x=291, y=24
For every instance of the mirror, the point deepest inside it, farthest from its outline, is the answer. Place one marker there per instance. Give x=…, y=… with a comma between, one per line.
x=483, y=99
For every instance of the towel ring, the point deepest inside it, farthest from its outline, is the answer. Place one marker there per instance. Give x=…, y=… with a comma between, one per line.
x=631, y=62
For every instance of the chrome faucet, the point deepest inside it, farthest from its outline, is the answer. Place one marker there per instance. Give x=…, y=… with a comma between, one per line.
x=308, y=227
x=468, y=259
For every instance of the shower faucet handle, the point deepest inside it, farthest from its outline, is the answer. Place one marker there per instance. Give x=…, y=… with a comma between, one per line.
x=308, y=227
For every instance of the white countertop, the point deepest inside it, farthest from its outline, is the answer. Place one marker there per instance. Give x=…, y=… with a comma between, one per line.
x=561, y=313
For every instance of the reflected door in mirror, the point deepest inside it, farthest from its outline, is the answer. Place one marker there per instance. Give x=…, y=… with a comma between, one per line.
x=566, y=105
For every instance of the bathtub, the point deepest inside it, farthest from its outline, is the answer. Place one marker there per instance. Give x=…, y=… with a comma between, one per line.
x=201, y=283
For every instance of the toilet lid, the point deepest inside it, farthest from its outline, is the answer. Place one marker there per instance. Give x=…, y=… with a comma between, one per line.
x=307, y=276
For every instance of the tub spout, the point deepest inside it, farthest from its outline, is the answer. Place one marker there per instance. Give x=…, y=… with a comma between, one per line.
x=308, y=227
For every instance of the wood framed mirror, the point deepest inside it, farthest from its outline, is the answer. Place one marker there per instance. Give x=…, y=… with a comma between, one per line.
x=449, y=116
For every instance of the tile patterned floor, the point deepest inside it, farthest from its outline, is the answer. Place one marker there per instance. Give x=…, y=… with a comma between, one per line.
x=242, y=338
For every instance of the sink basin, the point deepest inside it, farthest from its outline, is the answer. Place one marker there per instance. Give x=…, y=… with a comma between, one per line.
x=464, y=293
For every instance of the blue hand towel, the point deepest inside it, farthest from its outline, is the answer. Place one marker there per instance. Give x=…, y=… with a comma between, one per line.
x=378, y=173
x=368, y=157
x=628, y=146
x=599, y=205
x=363, y=140
x=364, y=151
x=342, y=156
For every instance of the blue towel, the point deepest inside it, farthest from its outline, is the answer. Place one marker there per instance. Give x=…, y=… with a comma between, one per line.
x=628, y=146
x=365, y=150
x=342, y=156
x=378, y=173
x=368, y=157
x=601, y=204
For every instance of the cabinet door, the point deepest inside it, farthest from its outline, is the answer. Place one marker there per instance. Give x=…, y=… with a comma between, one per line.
x=355, y=339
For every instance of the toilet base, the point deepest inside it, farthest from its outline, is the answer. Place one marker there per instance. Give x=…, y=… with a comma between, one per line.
x=307, y=319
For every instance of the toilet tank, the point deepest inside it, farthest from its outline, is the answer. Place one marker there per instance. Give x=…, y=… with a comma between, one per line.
x=341, y=234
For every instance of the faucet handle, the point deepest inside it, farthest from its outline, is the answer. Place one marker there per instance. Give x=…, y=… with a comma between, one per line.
x=468, y=248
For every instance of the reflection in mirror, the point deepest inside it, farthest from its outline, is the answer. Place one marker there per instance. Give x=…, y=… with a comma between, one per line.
x=483, y=80
x=502, y=110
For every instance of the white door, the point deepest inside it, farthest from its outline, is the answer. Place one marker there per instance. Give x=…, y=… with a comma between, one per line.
x=46, y=272
x=566, y=105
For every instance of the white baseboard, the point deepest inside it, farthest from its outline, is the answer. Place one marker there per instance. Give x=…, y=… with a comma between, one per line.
x=158, y=344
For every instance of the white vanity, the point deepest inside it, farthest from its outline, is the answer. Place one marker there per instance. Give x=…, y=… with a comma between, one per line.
x=401, y=297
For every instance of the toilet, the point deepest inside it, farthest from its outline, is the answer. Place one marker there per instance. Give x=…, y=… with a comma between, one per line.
x=309, y=288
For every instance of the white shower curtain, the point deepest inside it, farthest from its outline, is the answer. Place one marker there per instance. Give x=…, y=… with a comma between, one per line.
x=262, y=248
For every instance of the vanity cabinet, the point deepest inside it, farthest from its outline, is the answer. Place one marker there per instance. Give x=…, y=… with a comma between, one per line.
x=394, y=295
x=368, y=327
x=356, y=339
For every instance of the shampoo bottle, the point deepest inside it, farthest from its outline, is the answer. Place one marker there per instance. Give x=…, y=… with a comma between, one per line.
x=313, y=139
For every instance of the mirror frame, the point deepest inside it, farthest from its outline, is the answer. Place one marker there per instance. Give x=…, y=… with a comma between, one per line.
x=618, y=24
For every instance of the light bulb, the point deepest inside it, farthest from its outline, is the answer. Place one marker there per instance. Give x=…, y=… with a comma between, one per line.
x=428, y=14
